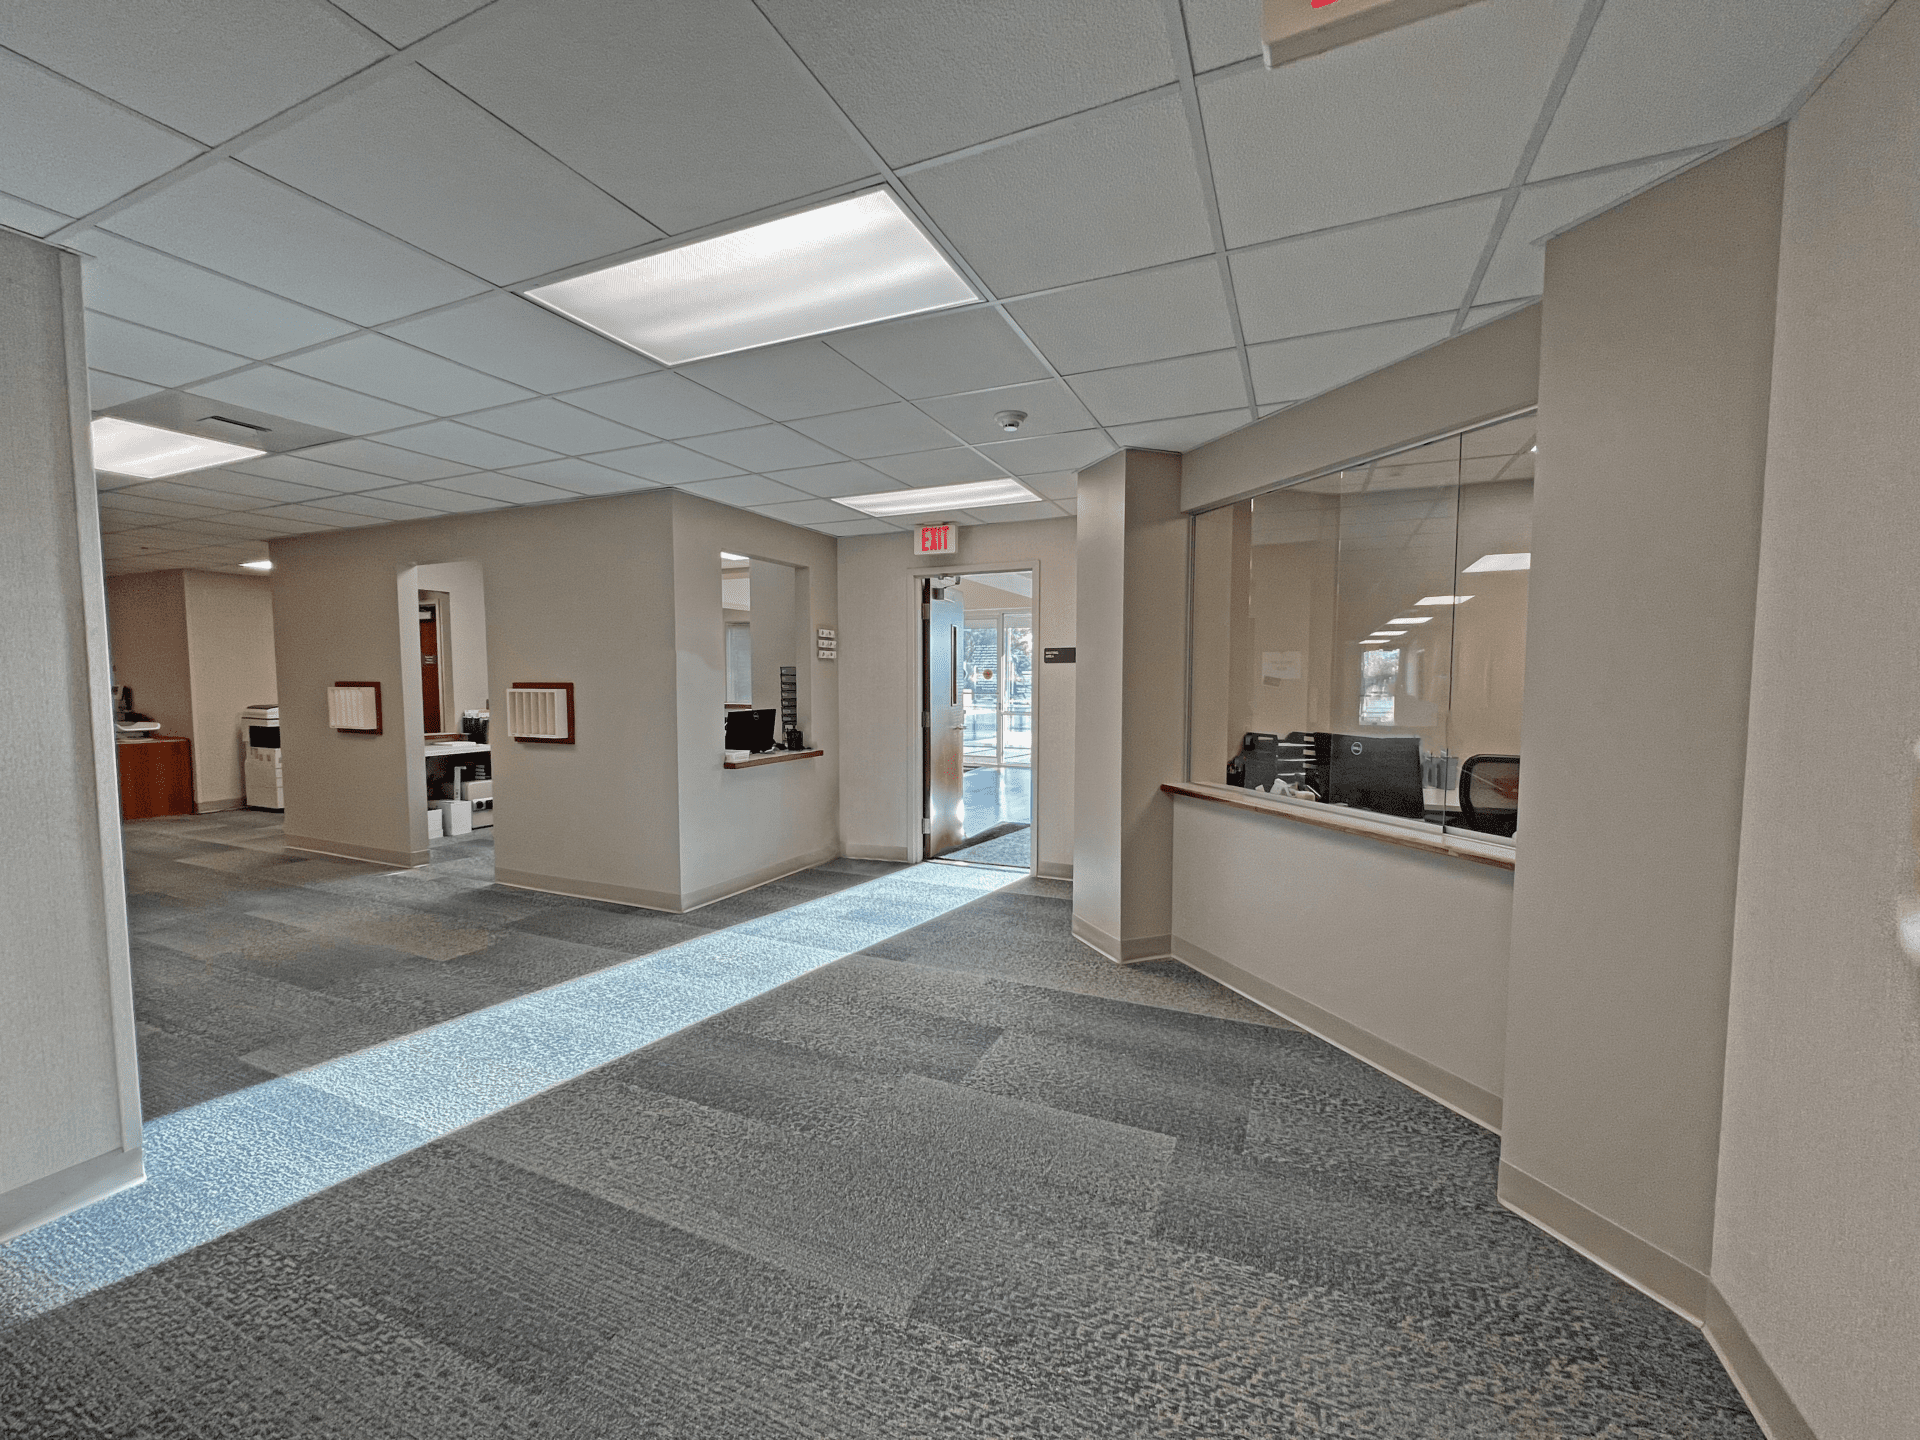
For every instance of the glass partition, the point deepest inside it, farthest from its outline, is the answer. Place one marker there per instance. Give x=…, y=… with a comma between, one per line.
x=1359, y=638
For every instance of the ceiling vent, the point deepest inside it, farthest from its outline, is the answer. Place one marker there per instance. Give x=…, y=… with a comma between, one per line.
x=221, y=420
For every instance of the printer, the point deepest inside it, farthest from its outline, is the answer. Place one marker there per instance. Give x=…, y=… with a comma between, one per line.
x=260, y=734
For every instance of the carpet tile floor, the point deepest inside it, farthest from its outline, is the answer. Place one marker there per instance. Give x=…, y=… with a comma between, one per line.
x=972, y=1180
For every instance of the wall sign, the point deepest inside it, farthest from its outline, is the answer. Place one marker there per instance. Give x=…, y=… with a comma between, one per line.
x=1058, y=654
x=936, y=539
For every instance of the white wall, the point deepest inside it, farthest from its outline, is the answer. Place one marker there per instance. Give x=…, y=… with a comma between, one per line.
x=1398, y=956
x=147, y=636
x=69, y=1089
x=880, y=797
x=1816, y=1245
x=230, y=663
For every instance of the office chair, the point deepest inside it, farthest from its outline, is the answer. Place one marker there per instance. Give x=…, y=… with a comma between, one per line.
x=1490, y=794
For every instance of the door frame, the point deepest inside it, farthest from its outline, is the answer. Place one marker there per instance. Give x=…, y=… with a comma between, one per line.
x=916, y=798
x=441, y=603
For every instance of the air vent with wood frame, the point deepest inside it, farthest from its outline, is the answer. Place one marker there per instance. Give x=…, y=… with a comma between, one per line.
x=541, y=712
x=353, y=707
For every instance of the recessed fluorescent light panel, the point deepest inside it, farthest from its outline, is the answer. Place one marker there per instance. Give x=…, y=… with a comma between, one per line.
x=1518, y=560
x=126, y=447
x=1385, y=634
x=1443, y=600
x=1409, y=620
x=974, y=495
x=848, y=262
x=256, y=564
x=727, y=558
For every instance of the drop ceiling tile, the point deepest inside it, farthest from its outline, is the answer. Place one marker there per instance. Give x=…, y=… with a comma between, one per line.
x=186, y=492
x=1068, y=506
x=1520, y=262
x=1044, y=454
x=1006, y=514
x=377, y=507
x=786, y=382
x=937, y=467
x=136, y=503
x=563, y=428
x=401, y=22
x=1289, y=370
x=688, y=113
x=210, y=71
x=1384, y=270
x=302, y=471
x=842, y=528
x=846, y=478
x=765, y=447
x=942, y=354
x=269, y=522
x=451, y=440
x=300, y=397
x=665, y=405
x=923, y=77
x=1223, y=31
x=415, y=157
x=434, y=497
x=1484, y=314
x=665, y=464
x=878, y=430
x=1450, y=103
x=1060, y=485
x=240, y=223
x=1656, y=77
x=1050, y=407
x=517, y=340
x=257, y=487
x=162, y=293
x=1182, y=434
x=743, y=490
x=1112, y=190
x=387, y=461
x=1128, y=319
x=583, y=477
x=1160, y=389
x=807, y=512
x=509, y=488
x=378, y=365
x=123, y=348
x=18, y=214
x=105, y=391
x=71, y=150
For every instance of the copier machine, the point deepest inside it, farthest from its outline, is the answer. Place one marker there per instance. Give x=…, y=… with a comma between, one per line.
x=260, y=730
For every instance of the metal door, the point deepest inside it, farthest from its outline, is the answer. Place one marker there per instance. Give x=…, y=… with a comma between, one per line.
x=943, y=718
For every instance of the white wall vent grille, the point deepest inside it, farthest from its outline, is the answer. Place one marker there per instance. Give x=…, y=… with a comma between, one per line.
x=541, y=712
x=354, y=706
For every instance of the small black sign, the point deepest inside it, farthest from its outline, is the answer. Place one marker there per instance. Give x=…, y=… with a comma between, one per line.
x=1057, y=655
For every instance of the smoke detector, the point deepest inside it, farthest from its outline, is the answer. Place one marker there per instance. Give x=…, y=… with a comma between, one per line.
x=1010, y=420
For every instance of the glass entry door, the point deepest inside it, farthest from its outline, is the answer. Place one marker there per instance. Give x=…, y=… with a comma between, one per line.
x=999, y=687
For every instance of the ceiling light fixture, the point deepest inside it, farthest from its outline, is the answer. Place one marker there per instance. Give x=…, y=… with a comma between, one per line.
x=1385, y=634
x=126, y=447
x=1516, y=560
x=256, y=564
x=1443, y=600
x=974, y=495
x=728, y=558
x=849, y=262
x=1410, y=620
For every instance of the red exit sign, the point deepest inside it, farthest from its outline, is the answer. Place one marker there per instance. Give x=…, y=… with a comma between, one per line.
x=1295, y=29
x=936, y=539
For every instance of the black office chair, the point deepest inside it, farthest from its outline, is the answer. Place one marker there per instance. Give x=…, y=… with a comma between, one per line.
x=1490, y=794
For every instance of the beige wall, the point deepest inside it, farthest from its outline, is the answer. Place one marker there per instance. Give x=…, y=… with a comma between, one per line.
x=1130, y=734
x=147, y=629
x=1482, y=375
x=463, y=642
x=880, y=797
x=1395, y=955
x=69, y=1089
x=230, y=660
x=1817, y=1242
x=1654, y=375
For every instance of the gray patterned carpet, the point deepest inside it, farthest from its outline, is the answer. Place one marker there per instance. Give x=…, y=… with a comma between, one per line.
x=975, y=1182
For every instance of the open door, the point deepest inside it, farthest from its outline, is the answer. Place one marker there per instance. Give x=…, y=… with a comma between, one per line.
x=430, y=668
x=943, y=717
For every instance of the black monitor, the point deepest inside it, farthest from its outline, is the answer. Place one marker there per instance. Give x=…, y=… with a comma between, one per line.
x=750, y=729
x=1376, y=772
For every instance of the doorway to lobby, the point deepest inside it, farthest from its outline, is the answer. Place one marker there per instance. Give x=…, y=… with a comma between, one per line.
x=979, y=718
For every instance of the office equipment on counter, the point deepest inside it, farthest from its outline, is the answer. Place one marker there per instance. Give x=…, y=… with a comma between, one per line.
x=260, y=734
x=789, y=707
x=1380, y=773
x=1490, y=794
x=750, y=730
x=473, y=725
x=1258, y=762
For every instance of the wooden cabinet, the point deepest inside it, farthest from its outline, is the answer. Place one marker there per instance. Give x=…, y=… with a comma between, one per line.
x=156, y=777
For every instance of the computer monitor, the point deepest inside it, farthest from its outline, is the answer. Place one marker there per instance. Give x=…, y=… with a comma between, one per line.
x=1380, y=773
x=750, y=729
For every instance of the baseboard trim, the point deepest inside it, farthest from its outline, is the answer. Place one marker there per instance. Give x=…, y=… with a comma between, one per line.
x=35, y=1203
x=1643, y=1265
x=1671, y=1282
x=1054, y=870
x=399, y=859
x=660, y=899
x=1461, y=1096
x=1763, y=1391
x=211, y=807
x=899, y=854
